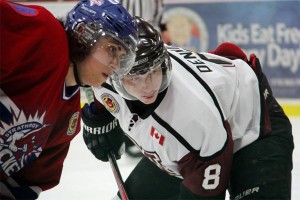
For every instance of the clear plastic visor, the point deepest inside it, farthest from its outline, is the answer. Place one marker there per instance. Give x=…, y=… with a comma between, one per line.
x=112, y=53
x=154, y=78
x=143, y=74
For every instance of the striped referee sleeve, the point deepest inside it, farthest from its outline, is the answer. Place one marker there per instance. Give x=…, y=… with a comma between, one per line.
x=150, y=10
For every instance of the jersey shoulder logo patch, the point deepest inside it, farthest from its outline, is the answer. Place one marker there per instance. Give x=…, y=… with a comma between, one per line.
x=110, y=103
x=73, y=123
x=23, y=10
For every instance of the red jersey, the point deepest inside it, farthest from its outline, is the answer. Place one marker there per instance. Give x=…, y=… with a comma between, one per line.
x=39, y=115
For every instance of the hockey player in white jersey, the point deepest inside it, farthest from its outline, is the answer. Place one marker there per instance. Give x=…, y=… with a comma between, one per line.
x=151, y=11
x=209, y=123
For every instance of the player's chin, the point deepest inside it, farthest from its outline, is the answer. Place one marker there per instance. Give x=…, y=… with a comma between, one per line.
x=148, y=99
x=98, y=84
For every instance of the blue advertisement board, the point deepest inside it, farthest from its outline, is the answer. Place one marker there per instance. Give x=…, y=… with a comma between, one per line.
x=269, y=29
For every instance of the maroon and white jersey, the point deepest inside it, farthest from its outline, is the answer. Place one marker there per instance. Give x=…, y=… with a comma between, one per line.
x=190, y=133
x=39, y=115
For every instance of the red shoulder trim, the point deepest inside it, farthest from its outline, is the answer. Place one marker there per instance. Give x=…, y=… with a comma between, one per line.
x=230, y=50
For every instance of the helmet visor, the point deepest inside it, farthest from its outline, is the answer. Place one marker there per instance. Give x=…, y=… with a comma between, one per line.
x=112, y=53
x=152, y=78
x=145, y=65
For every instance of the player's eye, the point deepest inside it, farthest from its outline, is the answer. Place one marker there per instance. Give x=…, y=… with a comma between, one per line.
x=112, y=49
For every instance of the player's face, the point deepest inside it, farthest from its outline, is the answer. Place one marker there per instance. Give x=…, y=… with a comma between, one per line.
x=104, y=60
x=144, y=87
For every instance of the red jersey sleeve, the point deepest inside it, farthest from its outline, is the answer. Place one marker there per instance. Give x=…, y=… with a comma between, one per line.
x=38, y=120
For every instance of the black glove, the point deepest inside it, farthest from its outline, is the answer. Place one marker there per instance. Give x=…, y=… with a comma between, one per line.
x=102, y=133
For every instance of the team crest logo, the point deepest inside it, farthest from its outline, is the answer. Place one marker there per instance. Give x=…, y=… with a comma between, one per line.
x=21, y=135
x=110, y=103
x=73, y=123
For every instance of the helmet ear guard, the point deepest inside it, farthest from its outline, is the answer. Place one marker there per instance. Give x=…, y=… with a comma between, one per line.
x=88, y=34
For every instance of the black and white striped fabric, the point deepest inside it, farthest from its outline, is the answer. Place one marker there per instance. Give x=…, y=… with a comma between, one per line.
x=150, y=10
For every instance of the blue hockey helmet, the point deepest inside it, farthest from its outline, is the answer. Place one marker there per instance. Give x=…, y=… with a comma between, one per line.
x=91, y=19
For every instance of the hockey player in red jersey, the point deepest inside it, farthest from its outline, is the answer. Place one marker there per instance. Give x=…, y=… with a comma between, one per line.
x=40, y=78
x=208, y=121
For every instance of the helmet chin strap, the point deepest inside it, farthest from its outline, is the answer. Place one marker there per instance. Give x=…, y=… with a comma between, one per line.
x=78, y=82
